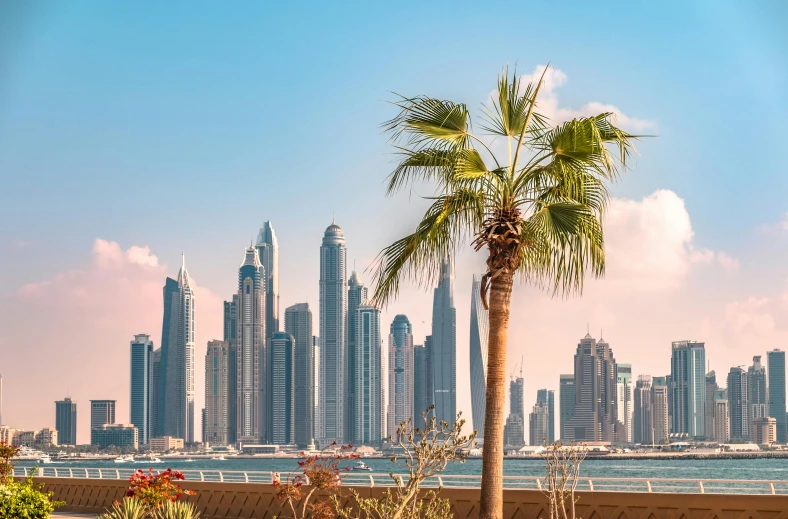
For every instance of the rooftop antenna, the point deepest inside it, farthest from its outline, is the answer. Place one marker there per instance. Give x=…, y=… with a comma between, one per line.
x=521, y=366
x=333, y=218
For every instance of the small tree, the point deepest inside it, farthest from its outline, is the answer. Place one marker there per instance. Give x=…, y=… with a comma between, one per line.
x=563, y=473
x=7, y=452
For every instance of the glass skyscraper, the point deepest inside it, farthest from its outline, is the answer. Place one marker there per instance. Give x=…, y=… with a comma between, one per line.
x=775, y=361
x=298, y=323
x=566, y=396
x=738, y=404
x=368, y=377
x=216, y=400
x=625, y=399
x=400, y=374
x=642, y=415
x=333, y=320
x=231, y=338
x=66, y=421
x=281, y=389
x=422, y=381
x=480, y=329
x=141, y=386
x=756, y=380
x=444, y=348
x=688, y=388
x=356, y=295
x=268, y=251
x=547, y=397
x=102, y=412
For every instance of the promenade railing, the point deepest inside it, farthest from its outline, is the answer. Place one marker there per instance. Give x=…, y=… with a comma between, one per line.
x=649, y=485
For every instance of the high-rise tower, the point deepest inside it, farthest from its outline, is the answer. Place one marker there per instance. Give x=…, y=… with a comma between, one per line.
x=739, y=404
x=356, y=295
x=711, y=388
x=547, y=397
x=660, y=398
x=422, y=381
x=625, y=399
x=688, y=388
x=642, y=414
x=480, y=328
x=176, y=380
x=102, y=412
x=400, y=368
x=775, y=361
x=281, y=389
x=141, y=386
x=567, y=397
x=216, y=385
x=250, y=351
x=333, y=320
x=231, y=338
x=268, y=251
x=298, y=323
x=759, y=398
x=368, y=376
x=444, y=347
x=66, y=421
x=514, y=430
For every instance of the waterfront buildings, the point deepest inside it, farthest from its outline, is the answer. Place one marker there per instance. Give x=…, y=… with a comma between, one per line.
x=422, y=380
x=514, y=429
x=642, y=412
x=298, y=323
x=660, y=405
x=722, y=428
x=268, y=252
x=758, y=396
x=444, y=347
x=66, y=421
x=102, y=412
x=567, y=396
x=176, y=379
x=333, y=317
x=118, y=435
x=250, y=351
x=547, y=397
x=356, y=295
x=738, y=404
x=688, y=388
x=281, y=389
x=539, y=425
x=141, y=396
x=764, y=430
x=625, y=400
x=46, y=437
x=711, y=389
x=165, y=444
x=369, y=405
x=480, y=329
x=217, y=359
x=775, y=361
x=400, y=374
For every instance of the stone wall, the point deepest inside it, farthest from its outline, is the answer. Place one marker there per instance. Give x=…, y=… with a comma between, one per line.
x=258, y=501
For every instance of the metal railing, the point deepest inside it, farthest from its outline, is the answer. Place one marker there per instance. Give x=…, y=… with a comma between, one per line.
x=649, y=485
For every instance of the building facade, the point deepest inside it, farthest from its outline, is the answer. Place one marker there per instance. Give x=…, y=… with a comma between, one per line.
x=298, y=323
x=567, y=397
x=370, y=398
x=141, y=398
x=711, y=388
x=66, y=421
x=660, y=405
x=231, y=338
x=422, y=381
x=117, y=435
x=547, y=397
x=444, y=347
x=268, y=252
x=739, y=404
x=775, y=361
x=759, y=396
x=539, y=425
x=514, y=429
x=217, y=358
x=176, y=379
x=400, y=374
x=165, y=444
x=480, y=331
x=625, y=400
x=722, y=428
x=356, y=295
x=332, y=333
x=102, y=412
x=281, y=389
x=764, y=430
x=688, y=388
x=642, y=412
x=250, y=351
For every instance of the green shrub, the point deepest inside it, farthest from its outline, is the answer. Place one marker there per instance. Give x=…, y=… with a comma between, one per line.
x=129, y=508
x=176, y=510
x=24, y=501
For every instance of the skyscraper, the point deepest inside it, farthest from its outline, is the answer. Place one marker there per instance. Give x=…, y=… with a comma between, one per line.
x=298, y=323
x=659, y=406
x=567, y=396
x=480, y=329
x=739, y=404
x=756, y=381
x=514, y=429
x=250, y=351
x=141, y=384
x=333, y=316
x=268, y=251
x=422, y=381
x=66, y=421
x=155, y=380
x=547, y=397
x=281, y=389
x=231, y=338
x=625, y=400
x=368, y=377
x=216, y=384
x=400, y=406
x=539, y=425
x=642, y=413
x=444, y=347
x=722, y=428
x=102, y=412
x=775, y=361
x=711, y=388
x=688, y=384
x=176, y=379
x=356, y=295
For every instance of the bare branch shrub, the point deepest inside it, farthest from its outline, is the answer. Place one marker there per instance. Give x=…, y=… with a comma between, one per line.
x=563, y=472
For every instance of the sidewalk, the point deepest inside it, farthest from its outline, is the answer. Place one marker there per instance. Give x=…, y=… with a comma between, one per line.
x=69, y=515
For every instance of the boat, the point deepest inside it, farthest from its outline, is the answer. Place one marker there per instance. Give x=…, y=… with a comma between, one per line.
x=45, y=458
x=124, y=459
x=360, y=465
x=189, y=461
x=220, y=458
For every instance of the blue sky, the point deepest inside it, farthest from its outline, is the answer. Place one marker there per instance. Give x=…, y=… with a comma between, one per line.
x=181, y=126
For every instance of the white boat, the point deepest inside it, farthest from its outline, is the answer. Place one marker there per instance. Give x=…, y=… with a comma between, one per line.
x=220, y=458
x=189, y=460
x=45, y=458
x=360, y=465
x=124, y=459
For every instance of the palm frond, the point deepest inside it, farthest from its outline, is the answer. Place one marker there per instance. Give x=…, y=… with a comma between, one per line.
x=427, y=122
x=509, y=112
x=447, y=223
x=445, y=167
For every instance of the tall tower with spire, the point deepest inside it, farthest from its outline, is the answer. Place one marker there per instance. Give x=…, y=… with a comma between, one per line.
x=176, y=380
x=268, y=250
x=480, y=329
x=333, y=336
x=250, y=351
x=356, y=295
x=444, y=347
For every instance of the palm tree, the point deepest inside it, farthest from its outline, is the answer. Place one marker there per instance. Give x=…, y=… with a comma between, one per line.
x=537, y=211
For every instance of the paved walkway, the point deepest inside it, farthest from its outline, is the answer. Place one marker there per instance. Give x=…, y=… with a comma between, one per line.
x=69, y=515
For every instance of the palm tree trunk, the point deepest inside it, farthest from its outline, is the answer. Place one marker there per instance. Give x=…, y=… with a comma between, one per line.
x=491, y=505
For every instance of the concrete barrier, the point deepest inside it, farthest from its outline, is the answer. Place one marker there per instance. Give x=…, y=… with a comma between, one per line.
x=258, y=501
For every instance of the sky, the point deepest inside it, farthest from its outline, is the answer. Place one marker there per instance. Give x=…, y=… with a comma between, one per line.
x=131, y=133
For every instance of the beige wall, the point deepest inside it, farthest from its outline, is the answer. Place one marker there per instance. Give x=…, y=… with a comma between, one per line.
x=249, y=500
